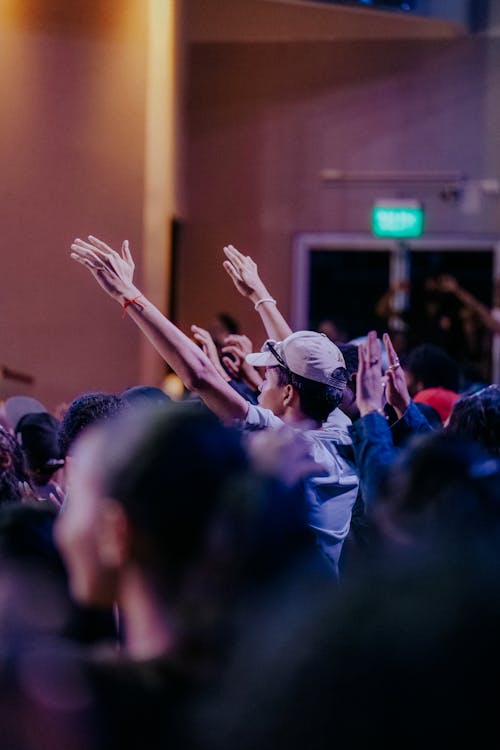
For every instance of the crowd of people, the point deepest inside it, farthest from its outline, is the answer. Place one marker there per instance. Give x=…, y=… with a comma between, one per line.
x=304, y=549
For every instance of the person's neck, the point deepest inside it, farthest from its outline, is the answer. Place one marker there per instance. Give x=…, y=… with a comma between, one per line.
x=296, y=418
x=148, y=629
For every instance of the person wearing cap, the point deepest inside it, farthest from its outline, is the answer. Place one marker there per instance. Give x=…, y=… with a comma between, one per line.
x=36, y=432
x=304, y=380
x=37, y=436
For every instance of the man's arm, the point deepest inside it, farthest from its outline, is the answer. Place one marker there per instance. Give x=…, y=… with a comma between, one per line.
x=114, y=273
x=450, y=284
x=244, y=273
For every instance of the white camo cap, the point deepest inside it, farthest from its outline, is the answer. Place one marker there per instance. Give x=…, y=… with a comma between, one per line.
x=306, y=353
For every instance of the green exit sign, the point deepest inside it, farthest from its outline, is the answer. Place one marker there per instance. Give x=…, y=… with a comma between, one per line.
x=398, y=219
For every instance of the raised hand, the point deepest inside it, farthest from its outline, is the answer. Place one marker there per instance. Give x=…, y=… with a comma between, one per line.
x=396, y=389
x=205, y=340
x=244, y=273
x=235, y=349
x=369, y=385
x=57, y=497
x=447, y=283
x=113, y=272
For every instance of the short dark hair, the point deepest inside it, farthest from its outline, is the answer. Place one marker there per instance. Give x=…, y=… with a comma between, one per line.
x=351, y=357
x=433, y=367
x=84, y=411
x=317, y=400
x=477, y=417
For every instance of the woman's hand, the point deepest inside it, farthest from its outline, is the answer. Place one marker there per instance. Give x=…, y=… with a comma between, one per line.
x=369, y=385
x=112, y=271
x=244, y=273
x=205, y=340
x=396, y=389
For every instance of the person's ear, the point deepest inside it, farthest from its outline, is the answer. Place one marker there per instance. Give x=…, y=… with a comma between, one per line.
x=288, y=395
x=114, y=535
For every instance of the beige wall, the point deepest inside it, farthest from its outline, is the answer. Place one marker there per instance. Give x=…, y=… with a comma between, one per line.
x=262, y=121
x=265, y=119
x=72, y=152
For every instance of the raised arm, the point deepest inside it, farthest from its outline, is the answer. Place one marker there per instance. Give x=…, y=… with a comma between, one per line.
x=449, y=284
x=114, y=273
x=244, y=273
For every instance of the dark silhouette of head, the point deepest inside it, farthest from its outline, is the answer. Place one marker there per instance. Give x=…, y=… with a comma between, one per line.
x=84, y=411
x=429, y=366
x=477, y=417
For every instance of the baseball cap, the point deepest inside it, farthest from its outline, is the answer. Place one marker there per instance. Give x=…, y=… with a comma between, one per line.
x=37, y=435
x=309, y=354
x=17, y=406
x=145, y=394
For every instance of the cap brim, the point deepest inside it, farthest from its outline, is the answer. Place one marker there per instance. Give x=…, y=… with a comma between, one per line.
x=262, y=359
x=17, y=407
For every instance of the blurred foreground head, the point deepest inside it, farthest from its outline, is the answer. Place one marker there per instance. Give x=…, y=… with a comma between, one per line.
x=169, y=493
x=443, y=492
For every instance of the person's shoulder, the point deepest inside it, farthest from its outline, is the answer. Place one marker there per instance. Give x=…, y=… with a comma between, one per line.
x=334, y=430
x=258, y=418
x=337, y=420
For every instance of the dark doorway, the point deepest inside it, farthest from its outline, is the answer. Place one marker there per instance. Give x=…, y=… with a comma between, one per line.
x=345, y=286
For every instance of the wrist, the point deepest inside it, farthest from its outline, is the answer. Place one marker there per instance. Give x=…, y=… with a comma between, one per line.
x=132, y=300
x=259, y=292
x=371, y=409
x=265, y=300
x=128, y=293
x=401, y=407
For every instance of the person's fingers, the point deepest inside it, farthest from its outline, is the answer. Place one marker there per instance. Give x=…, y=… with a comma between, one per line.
x=361, y=360
x=391, y=352
x=85, y=257
x=87, y=251
x=392, y=355
x=233, y=338
x=230, y=253
x=58, y=501
x=126, y=254
x=369, y=348
x=83, y=246
x=230, y=365
x=373, y=349
x=100, y=245
x=232, y=271
x=86, y=262
x=236, y=258
x=232, y=350
x=235, y=252
x=200, y=337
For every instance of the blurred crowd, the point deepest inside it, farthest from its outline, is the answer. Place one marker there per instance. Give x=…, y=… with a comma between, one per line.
x=302, y=549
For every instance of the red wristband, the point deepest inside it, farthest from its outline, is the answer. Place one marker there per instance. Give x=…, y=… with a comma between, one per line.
x=127, y=302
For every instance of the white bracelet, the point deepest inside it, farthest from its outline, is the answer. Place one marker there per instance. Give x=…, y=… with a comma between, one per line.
x=265, y=299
